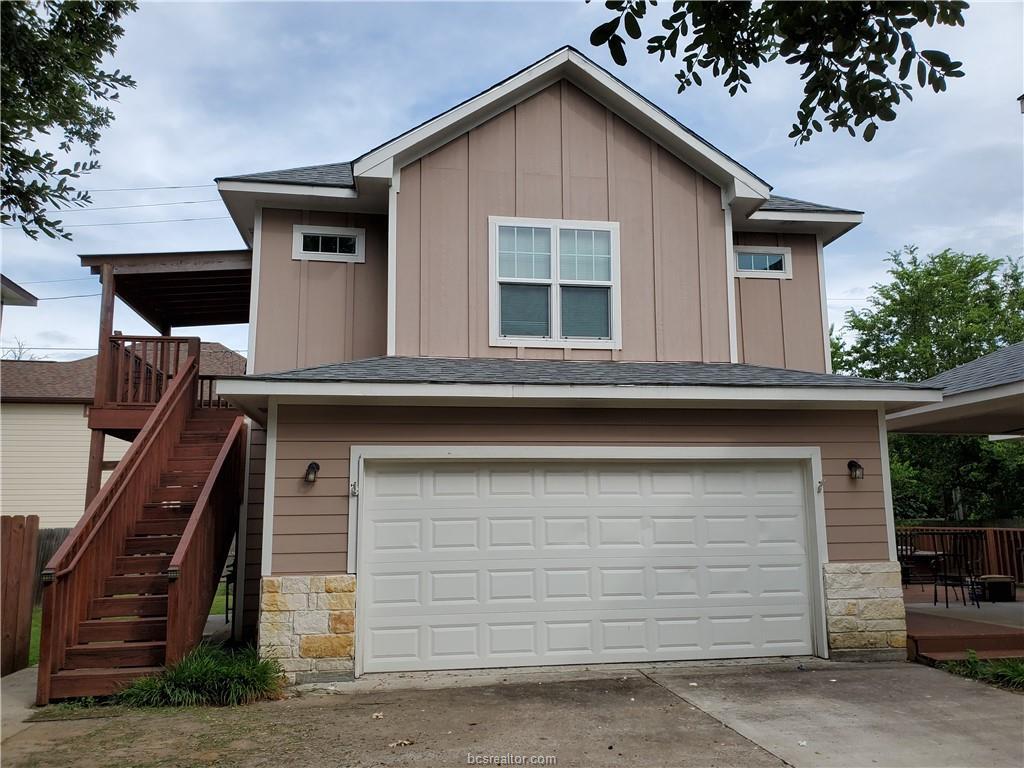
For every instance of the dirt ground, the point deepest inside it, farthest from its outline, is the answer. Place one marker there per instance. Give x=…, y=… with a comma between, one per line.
x=629, y=721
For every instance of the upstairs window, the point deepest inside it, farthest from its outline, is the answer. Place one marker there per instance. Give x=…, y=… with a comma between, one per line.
x=763, y=261
x=554, y=283
x=344, y=244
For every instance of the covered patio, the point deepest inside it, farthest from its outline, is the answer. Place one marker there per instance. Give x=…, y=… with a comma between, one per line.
x=964, y=587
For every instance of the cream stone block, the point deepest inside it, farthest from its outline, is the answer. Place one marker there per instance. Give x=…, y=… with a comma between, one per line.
x=851, y=594
x=842, y=607
x=887, y=608
x=277, y=651
x=897, y=639
x=332, y=665
x=890, y=579
x=885, y=625
x=858, y=640
x=295, y=585
x=275, y=633
x=840, y=567
x=310, y=622
x=845, y=624
x=325, y=646
x=336, y=601
x=316, y=584
x=296, y=665
x=284, y=602
x=344, y=583
x=887, y=566
x=271, y=584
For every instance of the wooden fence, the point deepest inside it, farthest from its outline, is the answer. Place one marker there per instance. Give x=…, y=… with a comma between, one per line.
x=1004, y=547
x=19, y=537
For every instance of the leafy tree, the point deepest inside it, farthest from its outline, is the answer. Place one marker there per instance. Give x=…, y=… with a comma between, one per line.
x=858, y=60
x=52, y=81
x=937, y=312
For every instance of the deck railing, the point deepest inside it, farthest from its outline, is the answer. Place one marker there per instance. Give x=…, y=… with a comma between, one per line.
x=1004, y=547
x=75, y=573
x=206, y=393
x=196, y=566
x=136, y=370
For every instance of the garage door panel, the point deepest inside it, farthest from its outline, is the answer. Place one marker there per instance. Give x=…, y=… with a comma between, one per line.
x=473, y=565
x=453, y=642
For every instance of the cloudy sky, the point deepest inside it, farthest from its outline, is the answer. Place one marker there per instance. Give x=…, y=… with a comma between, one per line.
x=238, y=87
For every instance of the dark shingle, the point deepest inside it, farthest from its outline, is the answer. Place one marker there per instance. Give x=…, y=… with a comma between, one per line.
x=781, y=204
x=1004, y=366
x=329, y=175
x=439, y=370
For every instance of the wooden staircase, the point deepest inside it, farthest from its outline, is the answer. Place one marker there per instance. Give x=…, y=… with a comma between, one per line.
x=130, y=589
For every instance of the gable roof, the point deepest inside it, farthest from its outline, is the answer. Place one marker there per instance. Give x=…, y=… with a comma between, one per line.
x=567, y=63
x=792, y=205
x=443, y=370
x=329, y=175
x=74, y=381
x=1004, y=366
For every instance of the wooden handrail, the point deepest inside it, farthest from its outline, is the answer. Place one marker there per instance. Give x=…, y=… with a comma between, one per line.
x=75, y=574
x=126, y=467
x=136, y=370
x=195, y=567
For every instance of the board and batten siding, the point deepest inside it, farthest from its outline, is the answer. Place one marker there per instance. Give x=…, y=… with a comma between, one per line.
x=561, y=155
x=316, y=312
x=778, y=322
x=44, y=458
x=311, y=520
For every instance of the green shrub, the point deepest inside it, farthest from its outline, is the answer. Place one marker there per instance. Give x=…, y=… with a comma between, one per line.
x=1006, y=673
x=209, y=675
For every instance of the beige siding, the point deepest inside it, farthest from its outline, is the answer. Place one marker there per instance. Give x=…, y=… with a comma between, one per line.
x=44, y=456
x=779, y=321
x=560, y=154
x=314, y=312
x=311, y=521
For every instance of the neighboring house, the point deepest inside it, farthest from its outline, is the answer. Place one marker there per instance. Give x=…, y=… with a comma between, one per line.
x=544, y=380
x=982, y=397
x=45, y=435
x=14, y=295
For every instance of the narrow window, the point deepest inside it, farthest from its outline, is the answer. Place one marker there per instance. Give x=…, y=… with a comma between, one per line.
x=763, y=261
x=343, y=244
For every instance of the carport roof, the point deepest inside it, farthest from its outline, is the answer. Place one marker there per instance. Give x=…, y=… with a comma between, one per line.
x=1003, y=366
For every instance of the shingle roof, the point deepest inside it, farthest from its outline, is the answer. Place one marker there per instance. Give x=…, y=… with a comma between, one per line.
x=329, y=175
x=74, y=381
x=441, y=370
x=792, y=205
x=1004, y=366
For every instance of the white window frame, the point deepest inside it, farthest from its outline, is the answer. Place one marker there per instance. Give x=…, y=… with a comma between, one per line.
x=359, y=257
x=787, y=261
x=554, y=341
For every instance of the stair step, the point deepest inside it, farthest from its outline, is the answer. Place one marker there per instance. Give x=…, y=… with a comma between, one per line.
x=935, y=657
x=72, y=683
x=151, y=545
x=200, y=464
x=136, y=584
x=177, y=478
x=94, y=655
x=195, y=450
x=161, y=526
x=204, y=436
x=993, y=641
x=189, y=494
x=106, y=630
x=142, y=605
x=161, y=510
x=139, y=564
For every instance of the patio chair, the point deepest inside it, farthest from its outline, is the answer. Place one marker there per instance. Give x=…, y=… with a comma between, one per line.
x=917, y=564
x=960, y=564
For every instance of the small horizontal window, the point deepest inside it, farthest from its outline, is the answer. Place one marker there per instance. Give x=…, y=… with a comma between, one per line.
x=767, y=261
x=344, y=244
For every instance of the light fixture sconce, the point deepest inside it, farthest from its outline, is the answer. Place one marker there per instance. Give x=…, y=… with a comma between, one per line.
x=856, y=470
x=311, y=472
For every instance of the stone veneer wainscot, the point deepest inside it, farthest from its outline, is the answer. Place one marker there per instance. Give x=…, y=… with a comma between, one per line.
x=865, y=608
x=307, y=622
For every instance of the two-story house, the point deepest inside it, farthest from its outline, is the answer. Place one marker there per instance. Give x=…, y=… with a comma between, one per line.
x=546, y=380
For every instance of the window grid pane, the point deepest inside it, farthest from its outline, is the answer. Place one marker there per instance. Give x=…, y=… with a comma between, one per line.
x=753, y=261
x=586, y=312
x=585, y=254
x=524, y=253
x=525, y=310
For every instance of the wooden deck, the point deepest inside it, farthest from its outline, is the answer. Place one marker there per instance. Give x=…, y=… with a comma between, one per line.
x=936, y=634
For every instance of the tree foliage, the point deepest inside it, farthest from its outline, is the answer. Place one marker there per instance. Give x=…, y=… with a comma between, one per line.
x=53, y=81
x=937, y=312
x=858, y=60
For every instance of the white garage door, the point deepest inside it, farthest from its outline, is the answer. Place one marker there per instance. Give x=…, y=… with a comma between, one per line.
x=507, y=564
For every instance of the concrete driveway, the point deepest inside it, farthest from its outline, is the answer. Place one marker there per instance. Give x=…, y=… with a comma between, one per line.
x=809, y=713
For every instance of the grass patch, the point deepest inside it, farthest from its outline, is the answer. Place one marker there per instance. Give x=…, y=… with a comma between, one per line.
x=1005, y=673
x=209, y=675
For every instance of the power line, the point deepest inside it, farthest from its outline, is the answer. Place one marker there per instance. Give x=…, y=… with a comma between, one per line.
x=65, y=280
x=125, y=223
x=136, y=205
x=142, y=189
x=75, y=296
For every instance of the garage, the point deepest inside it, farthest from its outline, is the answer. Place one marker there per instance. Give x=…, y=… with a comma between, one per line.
x=495, y=563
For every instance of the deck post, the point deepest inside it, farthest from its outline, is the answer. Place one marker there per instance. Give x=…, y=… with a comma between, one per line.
x=94, y=476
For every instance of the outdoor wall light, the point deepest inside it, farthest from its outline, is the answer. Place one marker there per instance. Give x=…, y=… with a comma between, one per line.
x=313, y=468
x=856, y=470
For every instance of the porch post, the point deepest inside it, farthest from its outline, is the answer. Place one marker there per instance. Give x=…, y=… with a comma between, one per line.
x=95, y=472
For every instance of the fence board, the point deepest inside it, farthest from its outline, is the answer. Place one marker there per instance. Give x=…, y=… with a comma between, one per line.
x=19, y=537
